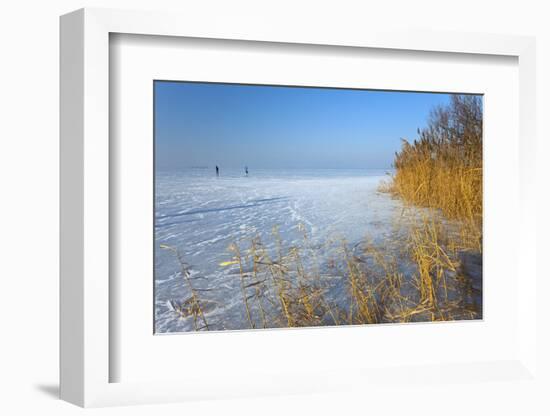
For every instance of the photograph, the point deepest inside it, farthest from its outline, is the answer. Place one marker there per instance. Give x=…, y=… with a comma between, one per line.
x=298, y=206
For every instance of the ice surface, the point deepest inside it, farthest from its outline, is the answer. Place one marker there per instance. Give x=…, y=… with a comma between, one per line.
x=201, y=215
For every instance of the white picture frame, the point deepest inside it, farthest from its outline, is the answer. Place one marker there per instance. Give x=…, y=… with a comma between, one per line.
x=86, y=355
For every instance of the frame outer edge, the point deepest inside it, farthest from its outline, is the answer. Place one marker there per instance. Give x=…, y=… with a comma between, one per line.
x=71, y=155
x=84, y=176
x=527, y=263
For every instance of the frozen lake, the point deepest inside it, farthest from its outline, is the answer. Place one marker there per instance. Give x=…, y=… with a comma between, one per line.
x=201, y=215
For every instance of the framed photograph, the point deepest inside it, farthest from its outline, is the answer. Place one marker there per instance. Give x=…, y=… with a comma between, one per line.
x=266, y=211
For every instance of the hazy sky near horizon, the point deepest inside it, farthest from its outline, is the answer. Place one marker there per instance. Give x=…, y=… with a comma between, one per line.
x=232, y=125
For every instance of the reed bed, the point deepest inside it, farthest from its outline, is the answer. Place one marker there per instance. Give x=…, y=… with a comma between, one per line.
x=443, y=168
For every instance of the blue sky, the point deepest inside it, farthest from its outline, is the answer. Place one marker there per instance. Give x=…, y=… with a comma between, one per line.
x=231, y=125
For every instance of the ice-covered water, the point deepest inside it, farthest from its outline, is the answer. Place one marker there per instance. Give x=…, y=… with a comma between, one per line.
x=201, y=215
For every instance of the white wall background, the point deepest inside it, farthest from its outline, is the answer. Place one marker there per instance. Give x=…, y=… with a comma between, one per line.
x=29, y=206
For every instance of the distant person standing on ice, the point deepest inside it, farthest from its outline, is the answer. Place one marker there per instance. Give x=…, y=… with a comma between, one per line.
x=217, y=171
x=246, y=170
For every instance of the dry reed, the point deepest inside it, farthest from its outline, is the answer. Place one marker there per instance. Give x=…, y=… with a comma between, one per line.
x=443, y=168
